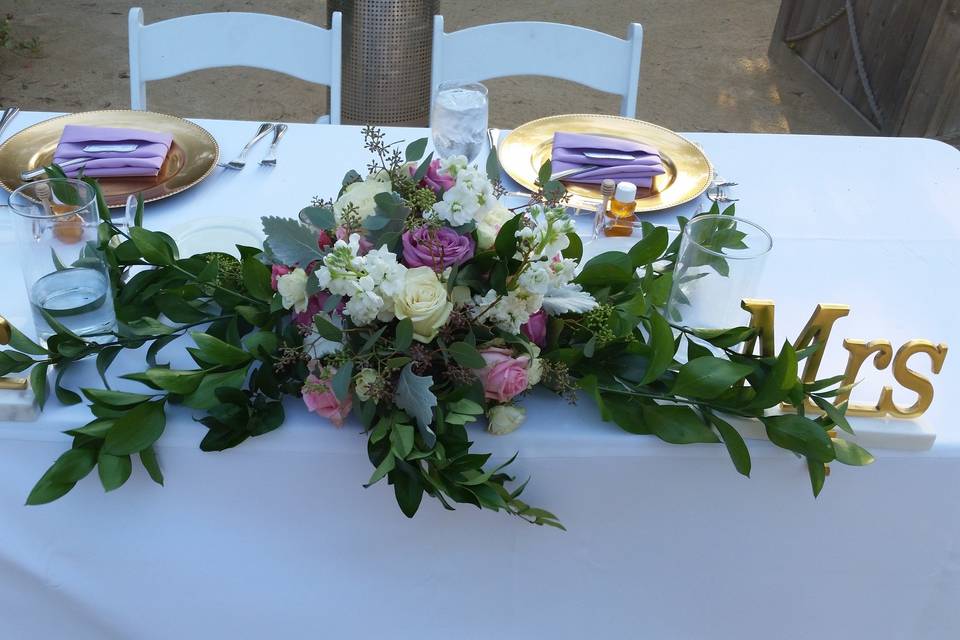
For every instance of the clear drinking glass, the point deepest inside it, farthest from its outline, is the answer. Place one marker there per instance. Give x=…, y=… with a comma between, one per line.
x=720, y=260
x=64, y=272
x=459, y=119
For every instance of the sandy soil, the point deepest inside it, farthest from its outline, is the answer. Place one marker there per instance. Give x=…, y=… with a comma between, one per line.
x=705, y=65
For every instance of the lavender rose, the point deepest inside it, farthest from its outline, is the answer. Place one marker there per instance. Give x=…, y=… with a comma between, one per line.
x=436, y=248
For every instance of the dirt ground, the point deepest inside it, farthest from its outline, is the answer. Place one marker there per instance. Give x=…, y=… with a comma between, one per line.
x=704, y=68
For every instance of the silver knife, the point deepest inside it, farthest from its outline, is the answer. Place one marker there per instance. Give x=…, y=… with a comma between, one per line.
x=8, y=115
x=604, y=155
x=115, y=148
x=569, y=173
x=36, y=173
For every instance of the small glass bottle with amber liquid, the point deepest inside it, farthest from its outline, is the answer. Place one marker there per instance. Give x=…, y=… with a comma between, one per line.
x=620, y=217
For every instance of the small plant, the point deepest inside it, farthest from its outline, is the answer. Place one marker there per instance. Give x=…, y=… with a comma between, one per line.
x=31, y=47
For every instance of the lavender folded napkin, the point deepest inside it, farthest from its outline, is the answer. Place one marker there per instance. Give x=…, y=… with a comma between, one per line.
x=569, y=149
x=145, y=160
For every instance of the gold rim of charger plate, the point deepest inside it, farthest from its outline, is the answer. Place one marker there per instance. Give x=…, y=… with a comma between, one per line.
x=689, y=171
x=38, y=141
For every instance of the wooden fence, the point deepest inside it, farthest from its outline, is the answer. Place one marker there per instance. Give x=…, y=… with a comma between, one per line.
x=896, y=62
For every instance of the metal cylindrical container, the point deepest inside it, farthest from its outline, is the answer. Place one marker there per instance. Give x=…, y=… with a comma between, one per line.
x=387, y=48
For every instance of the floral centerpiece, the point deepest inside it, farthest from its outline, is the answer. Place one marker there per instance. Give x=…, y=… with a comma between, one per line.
x=419, y=305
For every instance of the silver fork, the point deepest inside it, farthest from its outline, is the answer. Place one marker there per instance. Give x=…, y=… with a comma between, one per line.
x=270, y=160
x=240, y=161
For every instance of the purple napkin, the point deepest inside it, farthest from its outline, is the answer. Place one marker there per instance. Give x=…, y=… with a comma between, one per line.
x=568, y=153
x=145, y=160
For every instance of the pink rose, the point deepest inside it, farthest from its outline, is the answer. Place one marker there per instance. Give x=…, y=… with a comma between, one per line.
x=319, y=397
x=536, y=328
x=504, y=376
x=433, y=179
x=277, y=270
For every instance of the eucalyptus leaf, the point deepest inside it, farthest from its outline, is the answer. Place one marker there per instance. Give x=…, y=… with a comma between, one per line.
x=415, y=149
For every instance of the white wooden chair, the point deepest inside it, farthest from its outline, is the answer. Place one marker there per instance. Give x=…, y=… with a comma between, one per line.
x=501, y=49
x=208, y=40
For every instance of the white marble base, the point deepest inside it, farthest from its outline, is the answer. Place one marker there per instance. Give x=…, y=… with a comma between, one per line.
x=18, y=405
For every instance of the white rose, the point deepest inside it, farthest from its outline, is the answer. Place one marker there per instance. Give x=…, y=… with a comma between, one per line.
x=504, y=418
x=364, y=380
x=361, y=195
x=423, y=300
x=488, y=226
x=292, y=287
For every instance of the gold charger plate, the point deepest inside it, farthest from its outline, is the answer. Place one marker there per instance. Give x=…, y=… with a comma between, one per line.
x=191, y=158
x=688, y=171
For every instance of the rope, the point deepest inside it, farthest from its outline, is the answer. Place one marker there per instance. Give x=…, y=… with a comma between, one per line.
x=847, y=8
x=820, y=27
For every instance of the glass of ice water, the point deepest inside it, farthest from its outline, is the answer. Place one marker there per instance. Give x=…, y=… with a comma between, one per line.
x=459, y=119
x=67, y=281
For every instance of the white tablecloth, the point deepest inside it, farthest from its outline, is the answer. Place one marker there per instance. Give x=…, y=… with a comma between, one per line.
x=277, y=538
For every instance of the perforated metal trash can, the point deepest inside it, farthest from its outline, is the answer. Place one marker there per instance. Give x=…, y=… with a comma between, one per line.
x=387, y=47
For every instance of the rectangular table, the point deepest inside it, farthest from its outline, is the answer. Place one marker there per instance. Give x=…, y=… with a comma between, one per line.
x=277, y=537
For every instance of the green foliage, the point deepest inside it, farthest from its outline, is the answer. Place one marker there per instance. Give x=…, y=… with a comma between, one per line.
x=645, y=374
x=414, y=396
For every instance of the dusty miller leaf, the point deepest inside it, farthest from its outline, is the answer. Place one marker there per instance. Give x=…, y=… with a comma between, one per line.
x=415, y=397
x=290, y=242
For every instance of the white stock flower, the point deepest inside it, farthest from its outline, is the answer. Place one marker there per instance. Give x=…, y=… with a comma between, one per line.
x=292, y=288
x=361, y=195
x=458, y=206
x=453, y=164
x=469, y=199
x=383, y=267
x=507, y=313
x=363, y=307
x=504, y=418
x=489, y=223
x=536, y=278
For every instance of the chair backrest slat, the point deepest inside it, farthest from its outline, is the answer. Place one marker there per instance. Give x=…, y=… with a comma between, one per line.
x=584, y=56
x=210, y=40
